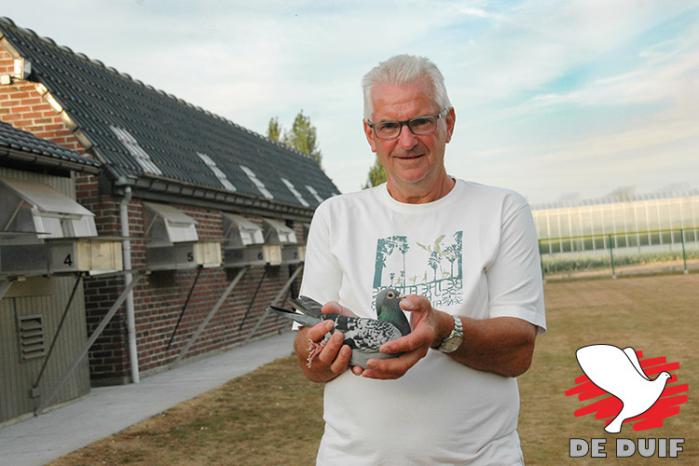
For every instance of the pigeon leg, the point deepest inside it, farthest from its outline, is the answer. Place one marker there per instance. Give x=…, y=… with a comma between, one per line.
x=314, y=350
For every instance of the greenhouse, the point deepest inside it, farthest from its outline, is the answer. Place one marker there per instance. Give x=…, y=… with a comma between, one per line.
x=638, y=229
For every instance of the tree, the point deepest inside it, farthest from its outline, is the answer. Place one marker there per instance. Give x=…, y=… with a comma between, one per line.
x=302, y=135
x=376, y=176
x=274, y=129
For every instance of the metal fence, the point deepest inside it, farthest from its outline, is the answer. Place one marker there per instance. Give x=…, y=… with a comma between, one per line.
x=630, y=252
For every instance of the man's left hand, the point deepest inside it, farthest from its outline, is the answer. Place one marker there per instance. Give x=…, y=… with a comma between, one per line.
x=429, y=327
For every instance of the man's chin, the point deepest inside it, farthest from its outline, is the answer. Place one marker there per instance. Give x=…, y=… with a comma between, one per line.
x=407, y=180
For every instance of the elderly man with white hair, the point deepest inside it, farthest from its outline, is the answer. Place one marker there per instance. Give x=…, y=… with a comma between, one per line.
x=464, y=257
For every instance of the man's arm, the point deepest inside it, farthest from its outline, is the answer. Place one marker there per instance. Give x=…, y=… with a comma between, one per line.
x=502, y=345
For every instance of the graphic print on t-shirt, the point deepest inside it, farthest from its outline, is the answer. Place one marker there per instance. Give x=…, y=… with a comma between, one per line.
x=432, y=270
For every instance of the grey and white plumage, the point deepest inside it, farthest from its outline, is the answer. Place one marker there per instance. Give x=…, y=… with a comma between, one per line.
x=364, y=335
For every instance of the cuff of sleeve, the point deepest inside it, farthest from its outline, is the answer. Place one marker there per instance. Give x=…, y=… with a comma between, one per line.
x=531, y=316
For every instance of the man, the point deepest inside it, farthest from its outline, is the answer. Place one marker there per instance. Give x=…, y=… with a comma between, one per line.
x=464, y=256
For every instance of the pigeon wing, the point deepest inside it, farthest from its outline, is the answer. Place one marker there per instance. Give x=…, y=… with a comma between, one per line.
x=308, y=306
x=365, y=334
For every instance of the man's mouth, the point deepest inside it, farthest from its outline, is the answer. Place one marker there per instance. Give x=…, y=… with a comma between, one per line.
x=409, y=156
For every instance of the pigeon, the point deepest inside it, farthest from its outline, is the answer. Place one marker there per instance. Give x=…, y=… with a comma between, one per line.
x=619, y=372
x=363, y=335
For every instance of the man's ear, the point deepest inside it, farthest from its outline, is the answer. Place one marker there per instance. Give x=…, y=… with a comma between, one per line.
x=451, y=121
x=370, y=137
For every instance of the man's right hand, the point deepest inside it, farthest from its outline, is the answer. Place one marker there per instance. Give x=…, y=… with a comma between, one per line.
x=334, y=359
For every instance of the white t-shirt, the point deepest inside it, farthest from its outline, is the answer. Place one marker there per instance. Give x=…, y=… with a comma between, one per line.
x=472, y=253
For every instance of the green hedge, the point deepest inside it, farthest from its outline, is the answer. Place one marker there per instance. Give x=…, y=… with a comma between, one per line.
x=562, y=264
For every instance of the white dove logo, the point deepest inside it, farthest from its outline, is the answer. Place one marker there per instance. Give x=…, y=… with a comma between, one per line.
x=619, y=372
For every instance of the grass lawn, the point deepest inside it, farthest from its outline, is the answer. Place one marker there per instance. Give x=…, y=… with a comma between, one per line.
x=274, y=417
x=656, y=314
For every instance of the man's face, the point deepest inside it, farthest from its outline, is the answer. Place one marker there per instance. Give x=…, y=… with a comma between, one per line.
x=412, y=163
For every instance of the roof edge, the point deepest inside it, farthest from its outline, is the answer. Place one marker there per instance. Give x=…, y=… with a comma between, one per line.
x=49, y=162
x=155, y=188
x=123, y=75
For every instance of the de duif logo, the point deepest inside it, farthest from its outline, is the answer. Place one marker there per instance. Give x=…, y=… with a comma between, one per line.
x=624, y=390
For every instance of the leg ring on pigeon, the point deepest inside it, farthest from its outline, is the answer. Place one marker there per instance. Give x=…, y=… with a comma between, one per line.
x=314, y=350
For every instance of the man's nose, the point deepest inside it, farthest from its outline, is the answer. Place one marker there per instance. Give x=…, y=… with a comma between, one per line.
x=406, y=138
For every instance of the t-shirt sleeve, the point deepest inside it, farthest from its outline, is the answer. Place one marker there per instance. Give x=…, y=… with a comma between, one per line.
x=515, y=285
x=322, y=275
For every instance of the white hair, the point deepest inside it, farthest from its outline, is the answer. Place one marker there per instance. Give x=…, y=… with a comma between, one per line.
x=403, y=69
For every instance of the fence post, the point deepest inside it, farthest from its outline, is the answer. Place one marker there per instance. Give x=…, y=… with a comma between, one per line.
x=541, y=262
x=611, y=255
x=684, y=251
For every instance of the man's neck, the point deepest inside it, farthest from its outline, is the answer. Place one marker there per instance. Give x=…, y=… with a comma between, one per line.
x=416, y=195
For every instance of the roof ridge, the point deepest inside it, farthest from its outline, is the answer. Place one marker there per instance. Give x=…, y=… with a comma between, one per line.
x=124, y=75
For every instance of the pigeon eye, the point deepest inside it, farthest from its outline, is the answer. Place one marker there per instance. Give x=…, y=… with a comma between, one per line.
x=390, y=294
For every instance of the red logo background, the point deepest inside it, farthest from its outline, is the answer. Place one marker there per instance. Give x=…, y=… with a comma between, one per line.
x=608, y=406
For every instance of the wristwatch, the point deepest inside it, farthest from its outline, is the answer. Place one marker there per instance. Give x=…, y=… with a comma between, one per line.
x=455, y=338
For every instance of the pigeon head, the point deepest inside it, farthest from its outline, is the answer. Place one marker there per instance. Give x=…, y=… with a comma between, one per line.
x=388, y=309
x=386, y=296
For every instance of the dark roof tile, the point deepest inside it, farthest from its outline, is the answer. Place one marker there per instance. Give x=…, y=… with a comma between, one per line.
x=170, y=130
x=22, y=141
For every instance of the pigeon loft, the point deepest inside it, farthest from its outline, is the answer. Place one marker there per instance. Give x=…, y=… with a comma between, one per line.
x=45, y=232
x=281, y=237
x=249, y=244
x=172, y=242
x=244, y=243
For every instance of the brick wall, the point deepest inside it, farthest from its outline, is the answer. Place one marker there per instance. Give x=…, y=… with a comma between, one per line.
x=159, y=297
x=22, y=106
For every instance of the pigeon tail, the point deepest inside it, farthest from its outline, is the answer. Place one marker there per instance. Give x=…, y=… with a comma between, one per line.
x=302, y=319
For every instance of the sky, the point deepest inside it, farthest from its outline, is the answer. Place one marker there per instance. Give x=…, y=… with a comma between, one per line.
x=559, y=100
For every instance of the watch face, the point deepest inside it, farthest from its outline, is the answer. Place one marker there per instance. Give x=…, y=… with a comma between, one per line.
x=454, y=340
x=451, y=344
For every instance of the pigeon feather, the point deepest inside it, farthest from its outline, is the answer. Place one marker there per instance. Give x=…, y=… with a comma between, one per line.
x=364, y=335
x=308, y=306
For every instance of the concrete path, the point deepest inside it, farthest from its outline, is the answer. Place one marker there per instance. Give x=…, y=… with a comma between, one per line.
x=107, y=410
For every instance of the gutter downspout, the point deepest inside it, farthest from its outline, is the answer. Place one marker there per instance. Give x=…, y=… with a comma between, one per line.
x=128, y=278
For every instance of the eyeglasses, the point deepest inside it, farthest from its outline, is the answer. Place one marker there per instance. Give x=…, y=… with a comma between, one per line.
x=419, y=126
